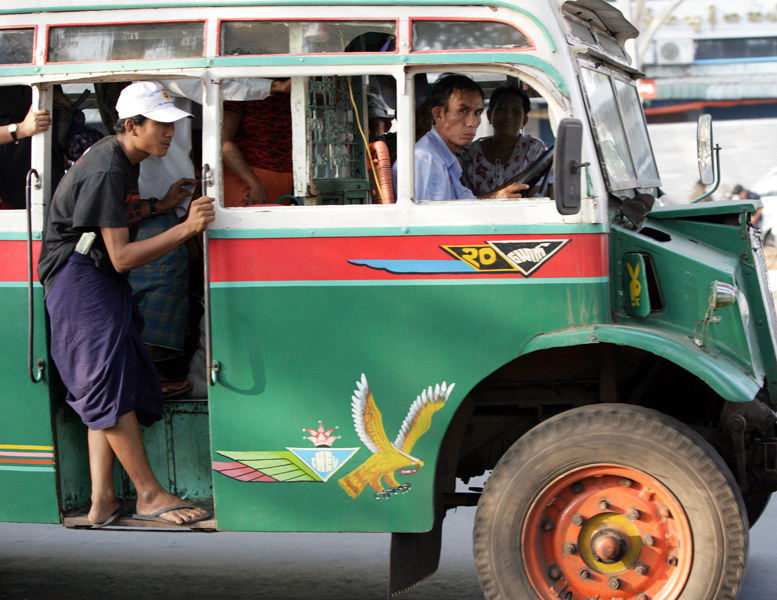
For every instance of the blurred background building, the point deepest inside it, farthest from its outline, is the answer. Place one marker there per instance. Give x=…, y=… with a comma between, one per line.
x=708, y=56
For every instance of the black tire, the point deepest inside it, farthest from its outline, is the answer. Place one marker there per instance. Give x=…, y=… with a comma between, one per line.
x=638, y=439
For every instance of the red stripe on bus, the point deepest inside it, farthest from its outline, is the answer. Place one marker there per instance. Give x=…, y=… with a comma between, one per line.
x=327, y=259
x=13, y=260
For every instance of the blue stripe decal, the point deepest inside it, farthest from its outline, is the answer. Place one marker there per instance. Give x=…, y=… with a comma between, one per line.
x=19, y=284
x=420, y=267
x=29, y=469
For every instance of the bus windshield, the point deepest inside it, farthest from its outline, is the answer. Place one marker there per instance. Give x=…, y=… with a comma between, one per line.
x=620, y=131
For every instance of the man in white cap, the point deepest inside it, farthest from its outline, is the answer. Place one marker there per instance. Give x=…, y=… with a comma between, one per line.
x=88, y=248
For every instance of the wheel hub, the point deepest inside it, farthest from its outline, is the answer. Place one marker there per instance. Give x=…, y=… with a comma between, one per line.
x=607, y=532
x=608, y=546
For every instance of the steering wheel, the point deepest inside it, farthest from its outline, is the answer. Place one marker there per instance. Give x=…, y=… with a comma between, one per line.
x=532, y=174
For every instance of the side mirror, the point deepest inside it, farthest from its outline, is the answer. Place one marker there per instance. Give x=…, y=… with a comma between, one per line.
x=704, y=149
x=566, y=166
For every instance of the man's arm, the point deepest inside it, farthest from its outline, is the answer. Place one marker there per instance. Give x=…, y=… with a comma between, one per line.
x=126, y=255
x=233, y=159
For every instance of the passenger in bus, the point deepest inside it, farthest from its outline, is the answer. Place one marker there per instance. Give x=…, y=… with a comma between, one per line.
x=490, y=161
x=256, y=140
x=161, y=287
x=88, y=248
x=18, y=123
x=457, y=106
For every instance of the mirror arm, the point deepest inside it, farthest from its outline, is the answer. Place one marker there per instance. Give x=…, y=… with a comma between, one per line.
x=717, y=184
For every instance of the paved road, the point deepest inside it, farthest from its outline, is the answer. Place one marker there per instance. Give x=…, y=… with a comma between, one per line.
x=41, y=562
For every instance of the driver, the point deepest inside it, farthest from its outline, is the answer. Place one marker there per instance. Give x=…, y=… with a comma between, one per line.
x=457, y=106
x=490, y=161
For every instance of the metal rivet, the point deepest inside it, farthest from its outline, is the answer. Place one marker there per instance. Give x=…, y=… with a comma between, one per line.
x=584, y=574
x=672, y=561
x=615, y=583
x=603, y=504
x=647, y=540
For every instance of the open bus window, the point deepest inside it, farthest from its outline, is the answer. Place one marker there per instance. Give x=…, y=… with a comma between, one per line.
x=301, y=37
x=324, y=158
x=127, y=41
x=16, y=46
x=436, y=35
x=512, y=138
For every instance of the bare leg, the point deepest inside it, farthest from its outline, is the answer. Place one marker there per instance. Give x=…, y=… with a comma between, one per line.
x=125, y=441
x=104, y=500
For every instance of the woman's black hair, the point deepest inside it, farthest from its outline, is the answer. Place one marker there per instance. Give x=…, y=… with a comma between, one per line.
x=504, y=90
x=137, y=119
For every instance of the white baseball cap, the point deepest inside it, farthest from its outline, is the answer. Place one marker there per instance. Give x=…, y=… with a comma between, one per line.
x=150, y=99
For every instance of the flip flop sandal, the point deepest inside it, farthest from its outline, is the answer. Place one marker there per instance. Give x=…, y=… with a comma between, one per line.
x=155, y=516
x=174, y=393
x=114, y=516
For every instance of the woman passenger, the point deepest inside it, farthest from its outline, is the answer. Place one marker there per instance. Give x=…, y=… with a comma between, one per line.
x=490, y=161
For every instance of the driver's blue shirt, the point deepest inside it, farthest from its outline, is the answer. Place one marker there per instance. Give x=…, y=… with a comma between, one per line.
x=437, y=171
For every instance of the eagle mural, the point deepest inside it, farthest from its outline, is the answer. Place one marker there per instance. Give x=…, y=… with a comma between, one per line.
x=386, y=457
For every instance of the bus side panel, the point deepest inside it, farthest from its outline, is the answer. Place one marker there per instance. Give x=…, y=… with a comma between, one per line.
x=28, y=486
x=297, y=323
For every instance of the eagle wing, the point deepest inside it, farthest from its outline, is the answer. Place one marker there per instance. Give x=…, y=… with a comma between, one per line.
x=419, y=417
x=367, y=418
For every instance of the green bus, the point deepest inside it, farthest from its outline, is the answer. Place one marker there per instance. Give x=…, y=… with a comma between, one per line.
x=605, y=357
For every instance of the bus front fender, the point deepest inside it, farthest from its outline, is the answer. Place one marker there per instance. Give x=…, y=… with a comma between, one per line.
x=730, y=381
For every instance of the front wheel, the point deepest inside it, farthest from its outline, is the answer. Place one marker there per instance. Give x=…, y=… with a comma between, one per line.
x=607, y=502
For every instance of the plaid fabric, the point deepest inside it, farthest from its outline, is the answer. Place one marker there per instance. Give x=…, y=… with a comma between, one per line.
x=161, y=289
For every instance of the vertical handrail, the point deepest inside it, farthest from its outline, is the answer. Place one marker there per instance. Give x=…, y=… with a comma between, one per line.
x=212, y=366
x=40, y=363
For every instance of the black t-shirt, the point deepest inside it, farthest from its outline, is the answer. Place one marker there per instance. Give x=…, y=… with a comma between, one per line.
x=99, y=190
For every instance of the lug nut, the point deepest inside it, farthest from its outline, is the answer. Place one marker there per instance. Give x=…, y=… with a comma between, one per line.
x=554, y=572
x=569, y=548
x=615, y=583
x=633, y=514
x=641, y=568
x=584, y=574
x=603, y=504
x=647, y=540
x=547, y=525
x=672, y=561
x=577, y=519
x=626, y=482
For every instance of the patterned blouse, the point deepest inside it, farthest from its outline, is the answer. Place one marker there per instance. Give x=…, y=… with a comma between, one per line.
x=481, y=176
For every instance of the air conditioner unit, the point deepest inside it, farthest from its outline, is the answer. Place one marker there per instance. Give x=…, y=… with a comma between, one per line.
x=675, y=52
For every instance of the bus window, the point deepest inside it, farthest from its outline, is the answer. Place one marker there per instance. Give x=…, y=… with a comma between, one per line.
x=16, y=46
x=435, y=35
x=126, y=41
x=325, y=160
x=302, y=37
x=490, y=130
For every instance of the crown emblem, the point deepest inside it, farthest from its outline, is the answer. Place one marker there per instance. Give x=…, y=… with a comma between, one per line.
x=321, y=436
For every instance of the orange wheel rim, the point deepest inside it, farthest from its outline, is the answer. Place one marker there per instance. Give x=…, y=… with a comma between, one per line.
x=607, y=532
